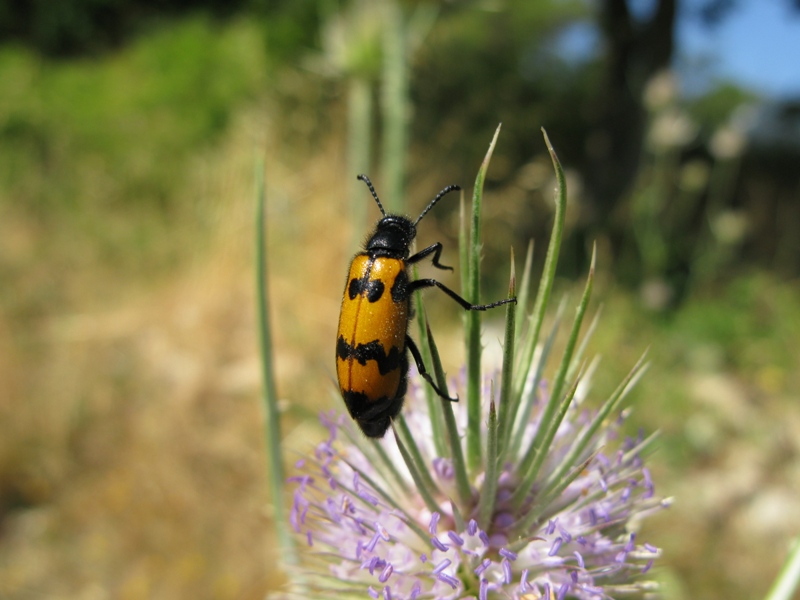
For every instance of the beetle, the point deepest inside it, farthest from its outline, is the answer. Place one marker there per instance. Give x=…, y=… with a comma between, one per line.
x=373, y=340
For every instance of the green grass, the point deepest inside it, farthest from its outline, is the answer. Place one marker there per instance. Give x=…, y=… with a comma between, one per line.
x=102, y=156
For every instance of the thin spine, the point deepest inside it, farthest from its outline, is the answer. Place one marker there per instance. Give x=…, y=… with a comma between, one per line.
x=424, y=492
x=473, y=319
x=489, y=491
x=579, y=353
x=507, y=372
x=642, y=447
x=521, y=419
x=583, y=441
x=458, y=518
x=413, y=449
x=386, y=497
x=534, y=515
x=563, y=483
x=456, y=453
x=434, y=407
x=548, y=274
x=585, y=500
x=518, y=498
x=390, y=467
x=376, y=454
x=524, y=292
x=551, y=418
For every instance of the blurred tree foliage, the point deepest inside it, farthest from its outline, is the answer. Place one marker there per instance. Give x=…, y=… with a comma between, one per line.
x=71, y=27
x=512, y=66
x=510, y=60
x=64, y=28
x=673, y=203
x=102, y=161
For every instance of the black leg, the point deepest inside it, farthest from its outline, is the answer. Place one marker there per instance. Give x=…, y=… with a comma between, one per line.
x=421, y=368
x=436, y=249
x=424, y=283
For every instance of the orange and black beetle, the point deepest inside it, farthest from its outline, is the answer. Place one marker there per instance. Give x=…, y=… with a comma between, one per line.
x=371, y=359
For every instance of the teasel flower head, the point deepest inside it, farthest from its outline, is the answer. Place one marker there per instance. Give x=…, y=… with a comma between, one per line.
x=519, y=490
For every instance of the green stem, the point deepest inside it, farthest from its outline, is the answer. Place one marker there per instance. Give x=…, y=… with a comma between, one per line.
x=395, y=106
x=788, y=579
x=272, y=432
x=359, y=122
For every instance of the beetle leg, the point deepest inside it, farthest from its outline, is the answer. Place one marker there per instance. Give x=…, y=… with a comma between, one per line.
x=424, y=283
x=422, y=371
x=436, y=249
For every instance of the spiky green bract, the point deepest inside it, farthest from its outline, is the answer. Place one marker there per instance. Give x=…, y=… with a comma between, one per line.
x=506, y=376
x=416, y=468
x=788, y=579
x=523, y=295
x=548, y=275
x=549, y=509
x=488, y=496
x=557, y=405
x=427, y=348
x=455, y=451
x=472, y=326
x=574, y=539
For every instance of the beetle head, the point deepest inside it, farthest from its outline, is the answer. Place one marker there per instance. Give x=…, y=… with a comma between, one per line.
x=393, y=235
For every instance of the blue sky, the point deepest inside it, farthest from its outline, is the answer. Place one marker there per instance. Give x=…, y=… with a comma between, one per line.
x=756, y=45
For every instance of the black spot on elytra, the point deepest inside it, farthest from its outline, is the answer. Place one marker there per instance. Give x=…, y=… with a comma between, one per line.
x=400, y=287
x=343, y=349
x=370, y=351
x=373, y=289
x=373, y=415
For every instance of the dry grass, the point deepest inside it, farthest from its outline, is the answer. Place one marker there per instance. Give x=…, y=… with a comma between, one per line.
x=131, y=449
x=131, y=461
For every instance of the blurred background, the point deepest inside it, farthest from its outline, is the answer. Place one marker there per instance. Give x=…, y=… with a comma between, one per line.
x=131, y=452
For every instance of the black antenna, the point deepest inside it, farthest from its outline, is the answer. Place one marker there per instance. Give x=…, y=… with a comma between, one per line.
x=366, y=180
x=447, y=190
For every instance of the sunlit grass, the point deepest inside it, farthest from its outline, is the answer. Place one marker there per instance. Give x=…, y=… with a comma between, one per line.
x=108, y=156
x=129, y=455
